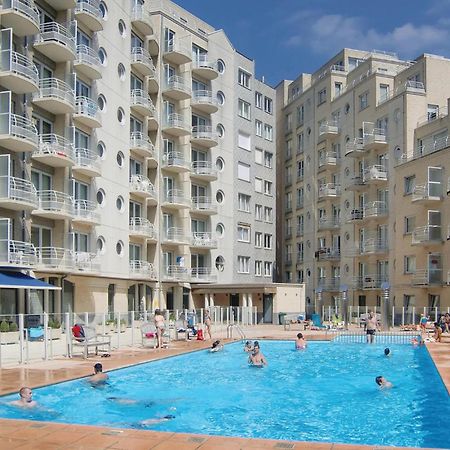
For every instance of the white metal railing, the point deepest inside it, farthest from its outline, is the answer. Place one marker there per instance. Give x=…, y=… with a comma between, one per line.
x=436, y=145
x=21, y=65
x=140, y=98
x=26, y=7
x=142, y=226
x=331, y=127
x=141, y=141
x=325, y=223
x=412, y=84
x=175, y=120
x=52, y=144
x=431, y=116
x=178, y=83
x=204, y=98
x=422, y=192
x=328, y=158
x=87, y=158
x=426, y=233
x=178, y=46
x=356, y=181
x=86, y=261
x=55, y=201
x=373, y=245
x=427, y=277
x=176, y=273
x=23, y=128
x=175, y=159
x=55, y=257
x=85, y=106
x=55, y=88
x=203, y=168
x=369, y=281
x=329, y=283
x=138, y=13
x=329, y=190
x=143, y=268
x=18, y=189
x=203, y=239
x=202, y=62
x=87, y=55
x=176, y=196
x=203, y=274
x=140, y=183
x=175, y=234
x=203, y=203
x=17, y=252
x=375, y=172
x=55, y=32
x=355, y=147
x=377, y=136
x=204, y=132
x=91, y=7
x=142, y=56
x=86, y=210
x=328, y=253
x=375, y=209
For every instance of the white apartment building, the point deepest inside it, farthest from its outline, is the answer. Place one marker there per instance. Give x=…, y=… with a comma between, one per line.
x=346, y=135
x=137, y=160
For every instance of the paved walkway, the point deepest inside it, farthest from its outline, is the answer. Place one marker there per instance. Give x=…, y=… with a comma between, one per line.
x=22, y=434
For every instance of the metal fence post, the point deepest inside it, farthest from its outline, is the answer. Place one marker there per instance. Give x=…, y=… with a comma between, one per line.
x=21, y=336
x=68, y=333
x=45, y=336
x=132, y=328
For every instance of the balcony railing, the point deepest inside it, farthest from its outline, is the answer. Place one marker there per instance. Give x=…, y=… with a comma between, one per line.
x=370, y=281
x=85, y=106
x=328, y=253
x=375, y=209
x=377, y=136
x=17, y=253
x=177, y=273
x=426, y=234
x=178, y=46
x=86, y=261
x=373, y=246
x=23, y=7
x=423, y=192
x=377, y=172
x=329, y=190
x=140, y=55
x=355, y=148
x=142, y=226
x=204, y=168
x=178, y=83
x=91, y=7
x=425, y=277
x=176, y=197
x=329, y=283
x=87, y=159
x=327, y=224
x=87, y=55
x=23, y=66
x=54, y=145
x=175, y=234
x=86, y=210
x=203, y=274
x=142, y=268
x=175, y=120
x=18, y=189
x=203, y=239
x=328, y=159
x=141, y=15
x=204, y=132
x=140, y=183
x=329, y=128
x=204, y=97
x=55, y=32
x=139, y=140
x=141, y=99
x=203, y=62
x=203, y=203
x=53, y=88
x=175, y=159
x=55, y=258
x=54, y=201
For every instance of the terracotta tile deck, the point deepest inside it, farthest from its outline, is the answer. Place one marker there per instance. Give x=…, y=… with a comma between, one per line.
x=23, y=434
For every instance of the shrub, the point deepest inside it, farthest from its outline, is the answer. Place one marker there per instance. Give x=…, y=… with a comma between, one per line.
x=54, y=324
x=13, y=326
x=4, y=327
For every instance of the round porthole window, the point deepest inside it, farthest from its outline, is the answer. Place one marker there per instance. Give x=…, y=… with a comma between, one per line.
x=220, y=229
x=220, y=130
x=103, y=56
x=220, y=66
x=121, y=71
x=101, y=196
x=101, y=149
x=220, y=263
x=101, y=102
x=220, y=164
x=101, y=247
x=120, y=203
x=103, y=10
x=120, y=159
x=220, y=98
x=119, y=248
x=121, y=116
x=220, y=196
x=122, y=28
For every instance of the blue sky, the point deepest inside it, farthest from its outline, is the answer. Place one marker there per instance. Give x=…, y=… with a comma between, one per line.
x=287, y=37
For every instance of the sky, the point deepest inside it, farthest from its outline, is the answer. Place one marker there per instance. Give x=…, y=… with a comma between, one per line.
x=289, y=37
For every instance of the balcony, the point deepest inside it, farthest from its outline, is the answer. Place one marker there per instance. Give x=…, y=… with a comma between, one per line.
x=18, y=73
x=18, y=133
x=175, y=162
x=177, y=88
x=176, y=274
x=17, y=253
x=88, y=13
x=175, y=236
x=375, y=210
x=176, y=125
x=142, y=228
x=328, y=160
x=61, y=5
x=142, y=103
x=177, y=51
x=371, y=281
x=54, y=205
x=329, y=284
x=329, y=129
x=86, y=262
x=203, y=205
x=427, y=235
x=375, y=174
x=142, y=62
x=56, y=42
x=20, y=15
x=329, y=254
x=356, y=148
x=205, y=136
x=55, y=151
x=141, y=20
x=205, y=102
x=205, y=68
x=55, y=259
x=87, y=163
x=202, y=275
x=377, y=140
x=86, y=212
x=425, y=277
x=203, y=240
x=373, y=246
x=328, y=224
x=17, y=194
x=355, y=215
x=142, y=187
x=175, y=198
x=329, y=190
x=356, y=184
x=87, y=113
x=142, y=269
x=203, y=170
x=87, y=62
x=143, y=146
x=55, y=96
x=423, y=194
x=300, y=230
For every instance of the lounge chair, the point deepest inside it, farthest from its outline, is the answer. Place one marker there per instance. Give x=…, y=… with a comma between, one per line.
x=148, y=335
x=85, y=336
x=181, y=327
x=337, y=323
x=317, y=322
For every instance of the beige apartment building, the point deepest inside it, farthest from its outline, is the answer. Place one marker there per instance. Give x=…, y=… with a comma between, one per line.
x=362, y=157
x=137, y=160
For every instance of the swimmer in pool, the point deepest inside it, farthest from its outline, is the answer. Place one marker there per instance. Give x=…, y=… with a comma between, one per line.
x=99, y=377
x=300, y=343
x=216, y=347
x=157, y=420
x=383, y=383
x=256, y=358
x=387, y=352
x=25, y=400
x=248, y=347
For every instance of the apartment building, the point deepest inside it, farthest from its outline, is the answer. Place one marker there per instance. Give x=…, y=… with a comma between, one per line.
x=138, y=159
x=346, y=135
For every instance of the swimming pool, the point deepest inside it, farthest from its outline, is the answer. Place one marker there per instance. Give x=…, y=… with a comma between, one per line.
x=326, y=393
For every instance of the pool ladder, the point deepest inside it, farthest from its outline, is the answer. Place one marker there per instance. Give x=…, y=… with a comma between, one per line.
x=236, y=327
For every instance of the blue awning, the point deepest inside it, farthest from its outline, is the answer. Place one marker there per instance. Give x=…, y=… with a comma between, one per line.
x=18, y=280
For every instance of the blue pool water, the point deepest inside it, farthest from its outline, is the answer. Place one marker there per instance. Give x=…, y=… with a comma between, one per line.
x=326, y=393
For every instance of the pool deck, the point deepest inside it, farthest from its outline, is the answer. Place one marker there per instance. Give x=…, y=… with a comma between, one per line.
x=23, y=434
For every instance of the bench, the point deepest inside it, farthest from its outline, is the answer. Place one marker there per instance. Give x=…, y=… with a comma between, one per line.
x=91, y=339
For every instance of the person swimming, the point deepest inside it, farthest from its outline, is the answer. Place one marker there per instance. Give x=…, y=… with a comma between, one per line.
x=248, y=347
x=300, y=343
x=387, y=352
x=216, y=347
x=383, y=383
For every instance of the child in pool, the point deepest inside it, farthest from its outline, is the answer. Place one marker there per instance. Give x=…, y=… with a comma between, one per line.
x=300, y=343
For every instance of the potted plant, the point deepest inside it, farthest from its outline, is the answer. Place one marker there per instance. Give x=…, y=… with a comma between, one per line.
x=9, y=333
x=55, y=331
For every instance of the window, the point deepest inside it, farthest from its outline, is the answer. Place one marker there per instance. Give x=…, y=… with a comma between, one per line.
x=268, y=158
x=409, y=301
x=288, y=201
x=288, y=227
x=268, y=132
x=244, y=141
x=268, y=214
x=288, y=253
x=409, y=264
x=268, y=105
x=364, y=100
x=267, y=269
x=289, y=149
x=258, y=268
x=321, y=97
x=300, y=169
x=244, y=202
x=258, y=100
x=383, y=93
x=258, y=184
x=300, y=225
x=258, y=128
x=288, y=175
x=300, y=115
x=258, y=212
x=300, y=143
x=244, y=109
x=337, y=89
x=268, y=187
x=244, y=78
x=288, y=123
x=267, y=241
x=258, y=156
x=410, y=183
x=300, y=197
x=243, y=233
x=243, y=264
x=432, y=112
x=410, y=223
x=258, y=239
x=243, y=171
